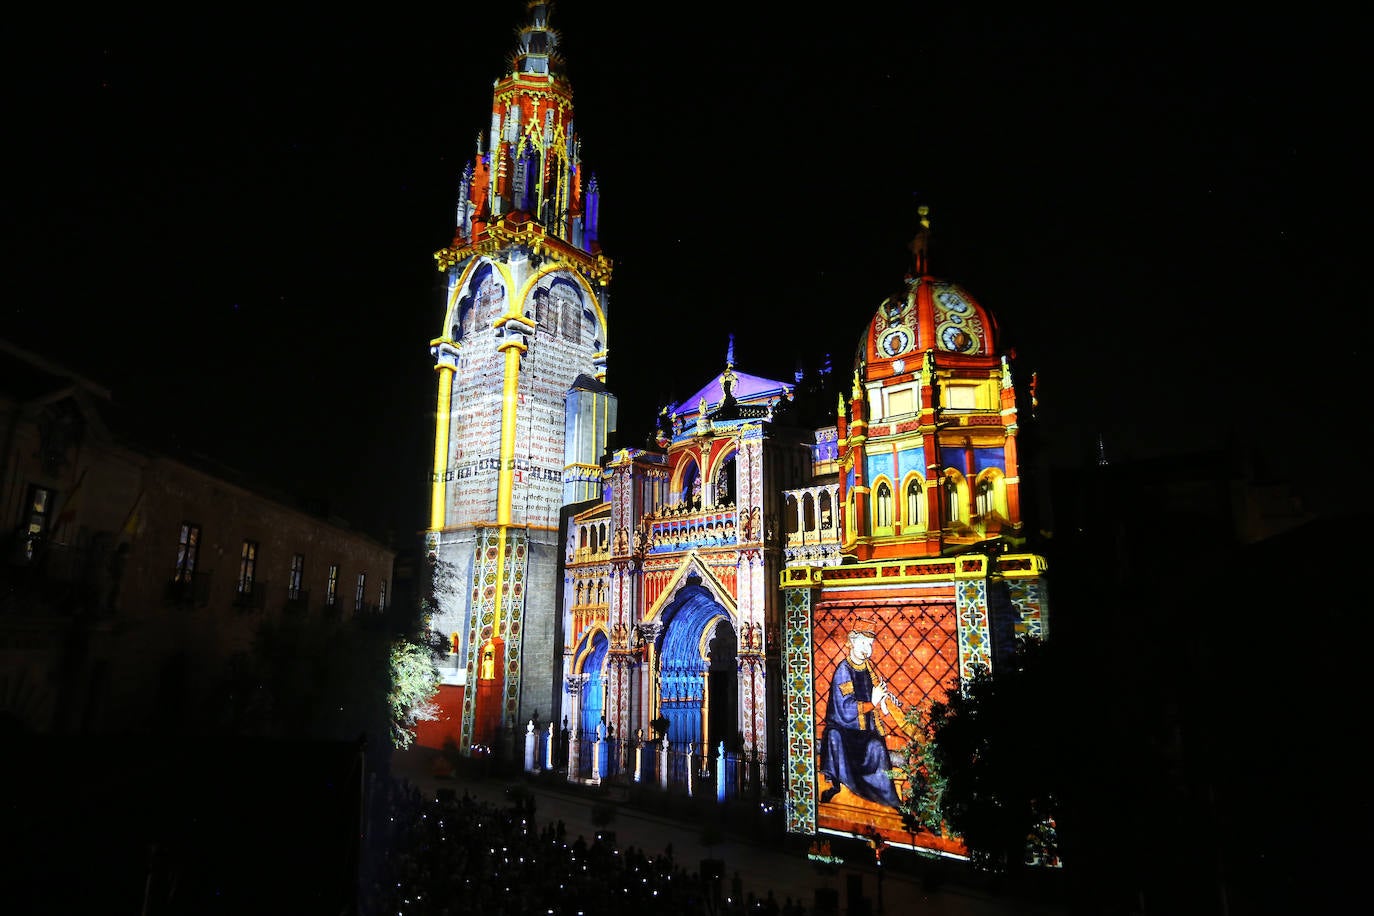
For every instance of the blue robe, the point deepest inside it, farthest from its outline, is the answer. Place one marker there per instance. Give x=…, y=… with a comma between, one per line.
x=853, y=752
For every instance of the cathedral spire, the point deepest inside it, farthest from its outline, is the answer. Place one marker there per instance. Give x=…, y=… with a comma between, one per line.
x=728, y=377
x=921, y=244
x=536, y=49
x=527, y=173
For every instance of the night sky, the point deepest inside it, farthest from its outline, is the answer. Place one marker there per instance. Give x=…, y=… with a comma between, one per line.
x=232, y=222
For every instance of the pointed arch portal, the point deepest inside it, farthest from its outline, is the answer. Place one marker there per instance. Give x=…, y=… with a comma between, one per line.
x=698, y=688
x=593, y=691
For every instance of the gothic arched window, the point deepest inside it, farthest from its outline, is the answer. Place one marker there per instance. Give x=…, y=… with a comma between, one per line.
x=953, y=498
x=882, y=508
x=725, y=482
x=913, y=515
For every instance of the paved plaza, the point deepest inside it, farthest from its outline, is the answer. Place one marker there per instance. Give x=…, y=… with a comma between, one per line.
x=761, y=867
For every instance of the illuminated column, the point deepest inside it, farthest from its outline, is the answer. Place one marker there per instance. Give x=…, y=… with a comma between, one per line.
x=843, y=523
x=516, y=330
x=446, y=362
x=975, y=635
x=574, y=683
x=800, y=594
x=618, y=696
x=650, y=630
x=1012, y=480
x=1012, y=472
x=936, y=510
x=705, y=728
x=492, y=688
x=858, y=435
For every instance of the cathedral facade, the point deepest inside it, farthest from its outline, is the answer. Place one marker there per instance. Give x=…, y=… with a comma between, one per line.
x=790, y=592
x=670, y=594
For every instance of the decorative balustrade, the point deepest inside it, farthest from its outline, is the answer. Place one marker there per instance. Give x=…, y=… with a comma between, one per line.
x=587, y=615
x=827, y=535
x=592, y=554
x=673, y=530
x=811, y=521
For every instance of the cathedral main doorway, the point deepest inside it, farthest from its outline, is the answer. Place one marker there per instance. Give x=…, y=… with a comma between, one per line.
x=698, y=687
x=593, y=758
x=593, y=697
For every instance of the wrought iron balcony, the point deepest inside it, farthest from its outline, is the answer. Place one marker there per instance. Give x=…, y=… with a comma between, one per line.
x=297, y=602
x=251, y=595
x=187, y=588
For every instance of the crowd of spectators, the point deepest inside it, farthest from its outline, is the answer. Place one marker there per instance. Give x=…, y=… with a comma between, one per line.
x=456, y=854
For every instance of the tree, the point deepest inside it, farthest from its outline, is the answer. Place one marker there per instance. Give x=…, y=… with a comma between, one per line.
x=414, y=683
x=922, y=806
x=316, y=679
x=999, y=755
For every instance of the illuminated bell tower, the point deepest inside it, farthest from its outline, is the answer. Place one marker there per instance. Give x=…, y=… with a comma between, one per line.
x=523, y=339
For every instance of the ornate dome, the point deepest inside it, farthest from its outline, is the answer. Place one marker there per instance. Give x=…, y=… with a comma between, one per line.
x=931, y=315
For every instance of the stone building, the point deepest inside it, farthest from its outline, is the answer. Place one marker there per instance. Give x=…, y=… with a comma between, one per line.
x=135, y=579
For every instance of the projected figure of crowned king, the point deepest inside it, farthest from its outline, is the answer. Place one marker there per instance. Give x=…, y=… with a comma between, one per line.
x=853, y=752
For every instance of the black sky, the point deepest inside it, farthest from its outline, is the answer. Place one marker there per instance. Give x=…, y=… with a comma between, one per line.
x=234, y=220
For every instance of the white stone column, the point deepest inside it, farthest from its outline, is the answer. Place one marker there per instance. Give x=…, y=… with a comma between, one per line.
x=599, y=753
x=575, y=682
x=639, y=755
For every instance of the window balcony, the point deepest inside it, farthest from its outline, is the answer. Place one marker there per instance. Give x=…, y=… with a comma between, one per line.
x=250, y=596
x=187, y=588
x=297, y=603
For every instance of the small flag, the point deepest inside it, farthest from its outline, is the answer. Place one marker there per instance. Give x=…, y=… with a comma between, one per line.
x=68, y=513
x=132, y=520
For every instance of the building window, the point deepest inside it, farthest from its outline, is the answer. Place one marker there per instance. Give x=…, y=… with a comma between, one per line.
x=913, y=503
x=188, y=550
x=39, y=514
x=358, y=596
x=569, y=311
x=691, y=484
x=882, y=508
x=901, y=401
x=725, y=483
x=961, y=397
x=293, y=581
x=952, y=499
x=248, y=566
x=331, y=593
x=990, y=495
x=381, y=597
x=983, y=497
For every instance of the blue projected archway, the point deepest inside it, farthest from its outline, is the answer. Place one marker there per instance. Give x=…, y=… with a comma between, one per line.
x=696, y=627
x=593, y=691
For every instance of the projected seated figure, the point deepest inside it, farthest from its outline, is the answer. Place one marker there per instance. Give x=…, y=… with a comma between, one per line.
x=853, y=753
